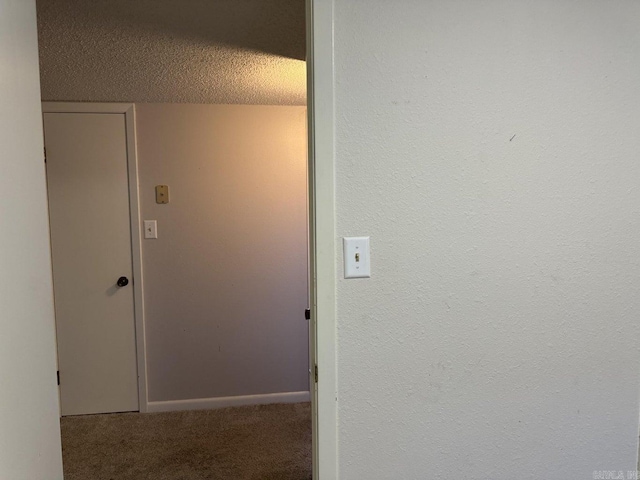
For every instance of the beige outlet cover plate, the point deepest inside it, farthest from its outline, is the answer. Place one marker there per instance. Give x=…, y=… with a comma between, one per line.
x=162, y=193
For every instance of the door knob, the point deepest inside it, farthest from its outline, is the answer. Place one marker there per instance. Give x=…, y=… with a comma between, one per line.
x=122, y=282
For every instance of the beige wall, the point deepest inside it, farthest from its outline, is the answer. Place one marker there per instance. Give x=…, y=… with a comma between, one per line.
x=491, y=150
x=226, y=281
x=29, y=425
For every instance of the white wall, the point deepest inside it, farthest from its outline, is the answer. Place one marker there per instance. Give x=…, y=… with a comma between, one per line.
x=29, y=428
x=226, y=281
x=490, y=149
x=182, y=51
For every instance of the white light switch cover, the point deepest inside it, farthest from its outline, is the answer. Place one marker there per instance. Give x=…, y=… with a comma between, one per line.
x=150, y=229
x=357, y=261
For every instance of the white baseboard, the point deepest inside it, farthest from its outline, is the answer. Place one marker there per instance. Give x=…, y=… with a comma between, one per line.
x=221, y=402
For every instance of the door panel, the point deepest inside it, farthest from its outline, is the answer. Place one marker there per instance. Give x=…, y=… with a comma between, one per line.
x=91, y=248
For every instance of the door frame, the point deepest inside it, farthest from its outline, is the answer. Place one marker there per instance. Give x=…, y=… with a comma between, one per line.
x=129, y=112
x=320, y=111
x=322, y=245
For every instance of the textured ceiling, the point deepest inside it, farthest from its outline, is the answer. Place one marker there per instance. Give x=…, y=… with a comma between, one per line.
x=178, y=51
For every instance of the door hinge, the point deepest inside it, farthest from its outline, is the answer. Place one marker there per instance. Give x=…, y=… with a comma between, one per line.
x=316, y=372
x=307, y=314
x=58, y=376
x=45, y=155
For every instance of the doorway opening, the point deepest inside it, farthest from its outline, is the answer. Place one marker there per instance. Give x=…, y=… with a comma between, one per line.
x=218, y=297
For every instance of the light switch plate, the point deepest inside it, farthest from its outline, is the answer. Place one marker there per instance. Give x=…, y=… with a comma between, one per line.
x=150, y=229
x=357, y=261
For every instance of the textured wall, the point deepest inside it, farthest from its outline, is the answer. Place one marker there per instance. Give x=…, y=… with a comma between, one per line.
x=173, y=51
x=490, y=149
x=29, y=424
x=226, y=281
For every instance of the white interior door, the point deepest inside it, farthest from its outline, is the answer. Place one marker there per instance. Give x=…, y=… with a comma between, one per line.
x=91, y=248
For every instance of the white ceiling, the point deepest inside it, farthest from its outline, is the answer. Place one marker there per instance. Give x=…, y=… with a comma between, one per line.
x=178, y=51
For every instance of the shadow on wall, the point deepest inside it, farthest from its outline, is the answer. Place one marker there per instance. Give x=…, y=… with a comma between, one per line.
x=270, y=26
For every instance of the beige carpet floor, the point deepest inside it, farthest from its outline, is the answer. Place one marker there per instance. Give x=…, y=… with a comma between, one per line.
x=245, y=443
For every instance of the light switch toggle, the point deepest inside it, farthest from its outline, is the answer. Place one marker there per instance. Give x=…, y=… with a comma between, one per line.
x=357, y=263
x=150, y=229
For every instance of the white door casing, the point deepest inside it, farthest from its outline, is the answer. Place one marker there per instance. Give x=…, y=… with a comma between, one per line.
x=87, y=176
x=320, y=98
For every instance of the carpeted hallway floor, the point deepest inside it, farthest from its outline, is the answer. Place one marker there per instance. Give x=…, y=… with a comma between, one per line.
x=244, y=443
